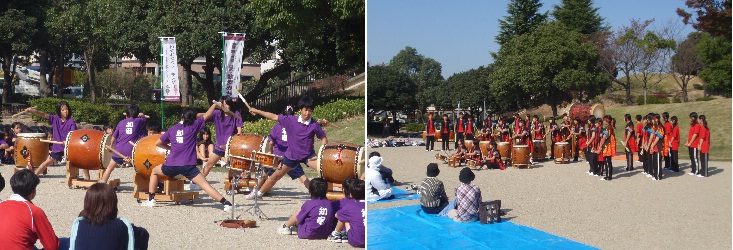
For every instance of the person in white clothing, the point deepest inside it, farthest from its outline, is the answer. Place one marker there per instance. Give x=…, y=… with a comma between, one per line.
x=376, y=187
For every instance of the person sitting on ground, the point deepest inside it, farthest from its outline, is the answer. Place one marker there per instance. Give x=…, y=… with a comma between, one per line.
x=98, y=226
x=4, y=146
x=351, y=216
x=314, y=220
x=468, y=198
x=432, y=192
x=377, y=188
x=493, y=159
x=21, y=222
x=341, y=236
x=204, y=146
x=108, y=129
x=384, y=171
x=153, y=128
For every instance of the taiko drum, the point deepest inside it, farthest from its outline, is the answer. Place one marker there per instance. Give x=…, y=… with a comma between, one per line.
x=30, y=144
x=146, y=156
x=86, y=149
x=340, y=160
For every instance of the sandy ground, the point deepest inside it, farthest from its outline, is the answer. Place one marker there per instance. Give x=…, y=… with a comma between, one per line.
x=187, y=226
x=631, y=212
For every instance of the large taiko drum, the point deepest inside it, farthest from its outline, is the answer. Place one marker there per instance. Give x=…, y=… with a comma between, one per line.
x=469, y=145
x=243, y=145
x=146, y=156
x=340, y=160
x=539, y=149
x=30, y=143
x=562, y=151
x=520, y=154
x=505, y=150
x=425, y=136
x=584, y=111
x=484, y=146
x=86, y=149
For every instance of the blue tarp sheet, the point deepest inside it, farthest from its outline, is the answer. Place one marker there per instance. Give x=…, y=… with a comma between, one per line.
x=408, y=227
x=399, y=195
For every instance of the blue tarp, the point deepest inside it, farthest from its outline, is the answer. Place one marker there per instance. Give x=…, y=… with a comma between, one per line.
x=408, y=227
x=399, y=195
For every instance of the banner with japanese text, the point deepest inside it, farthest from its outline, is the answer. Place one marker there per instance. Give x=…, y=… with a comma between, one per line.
x=233, y=47
x=171, y=92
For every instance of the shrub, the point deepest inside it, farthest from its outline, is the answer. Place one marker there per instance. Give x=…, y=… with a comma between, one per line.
x=697, y=86
x=651, y=99
x=676, y=100
x=414, y=127
x=703, y=99
x=261, y=126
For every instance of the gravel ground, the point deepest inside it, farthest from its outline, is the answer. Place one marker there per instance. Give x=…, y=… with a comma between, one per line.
x=631, y=212
x=187, y=226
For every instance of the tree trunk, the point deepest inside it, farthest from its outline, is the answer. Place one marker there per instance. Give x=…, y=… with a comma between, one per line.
x=685, y=81
x=60, y=84
x=214, y=93
x=44, y=88
x=89, y=61
x=554, y=109
x=646, y=91
x=185, y=88
x=7, y=60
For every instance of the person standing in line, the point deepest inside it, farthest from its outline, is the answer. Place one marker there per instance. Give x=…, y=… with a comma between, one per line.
x=667, y=132
x=693, y=139
x=639, y=136
x=674, y=146
x=460, y=129
x=445, y=128
x=704, y=146
x=430, y=133
x=630, y=145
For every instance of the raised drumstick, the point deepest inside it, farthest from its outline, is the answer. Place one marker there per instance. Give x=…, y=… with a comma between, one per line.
x=226, y=110
x=146, y=116
x=22, y=112
x=52, y=142
x=115, y=151
x=242, y=97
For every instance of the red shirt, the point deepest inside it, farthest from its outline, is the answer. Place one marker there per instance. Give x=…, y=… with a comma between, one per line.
x=667, y=128
x=460, y=126
x=639, y=129
x=445, y=127
x=705, y=135
x=469, y=127
x=430, y=127
x=19, y=230
x=676, y=141
x=694, y=130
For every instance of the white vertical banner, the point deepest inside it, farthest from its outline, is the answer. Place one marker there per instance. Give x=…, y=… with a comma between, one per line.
x=233, y=47
x=171, y=91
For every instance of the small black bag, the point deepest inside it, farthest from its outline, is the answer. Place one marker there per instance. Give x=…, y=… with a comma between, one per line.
x=490, y=212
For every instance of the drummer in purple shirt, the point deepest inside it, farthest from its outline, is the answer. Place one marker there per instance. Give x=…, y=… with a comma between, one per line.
x=226, y=124
x=180, y=140
x=62, y=124
x=300, y=130
x=315, y=217
x=128, y=130
x=277, y=143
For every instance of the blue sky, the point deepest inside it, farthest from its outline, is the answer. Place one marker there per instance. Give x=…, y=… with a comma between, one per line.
x=460, y=34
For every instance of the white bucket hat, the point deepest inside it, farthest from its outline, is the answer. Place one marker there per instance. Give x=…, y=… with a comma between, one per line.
x=375, y=162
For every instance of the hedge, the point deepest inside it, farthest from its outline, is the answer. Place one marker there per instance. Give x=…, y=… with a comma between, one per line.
x=414, y=127
x=651, y=99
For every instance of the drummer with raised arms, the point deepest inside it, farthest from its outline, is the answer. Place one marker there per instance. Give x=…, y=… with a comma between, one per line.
x=226, y=124
x=278, y=141
x=301, y=130
x=180, y=140
x=130, y=129
x=62, y=123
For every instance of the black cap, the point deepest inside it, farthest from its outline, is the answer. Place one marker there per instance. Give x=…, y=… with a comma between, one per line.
x=466, y=175
x=433, y=170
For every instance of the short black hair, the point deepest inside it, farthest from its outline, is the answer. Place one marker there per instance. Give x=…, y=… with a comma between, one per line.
x=346, y=186
x=374, y=153
x=318, y=188
x=2, y=183
x=58, y=108
x=305, y=102
x=189, y=116
x=132, y=111
x=24, y=182
x=357, y=190
x=638, y=118
x=154, y=126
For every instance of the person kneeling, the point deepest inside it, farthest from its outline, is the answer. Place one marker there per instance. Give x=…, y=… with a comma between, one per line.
x=314, y=220
x=351, y=216
x=98, y=226
x=432, y=192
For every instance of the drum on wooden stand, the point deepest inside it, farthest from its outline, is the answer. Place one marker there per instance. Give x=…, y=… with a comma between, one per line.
x=520, y=155
x=562, y=152
x=340, y=160
x=240, y=147
x=484, y=146
x=539, y=149
x=584, y=111
x=30, y=144
x=469, y=146
x=146, y=156
x=504, y=150
x=86, y=149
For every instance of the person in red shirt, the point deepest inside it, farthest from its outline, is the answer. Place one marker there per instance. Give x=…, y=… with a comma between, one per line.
x=21, y=222
x=460, y=129
x=470, y=128
x=639, y=132
x=693, y=138
x=645, y=155
x=430, y=131
x=493, y=159
x=445, y=132
x=523, y=138
x=630, y=145
x=667, y=131
x=555, y=136
x=674, y=146
x=704, y=147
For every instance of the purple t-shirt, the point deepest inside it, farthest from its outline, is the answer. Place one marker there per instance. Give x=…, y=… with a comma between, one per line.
x=300, y=136
x=183, y=143
x=315, y=219
x=3, y=142
x=279, y=139
x=224, y=128
x=354, y=212
x=129, y=129
x=60, y=130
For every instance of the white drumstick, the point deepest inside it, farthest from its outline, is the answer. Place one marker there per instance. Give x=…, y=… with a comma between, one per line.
x=115, y=151
x=52, y=142
x=242, y=97
x=22, y=112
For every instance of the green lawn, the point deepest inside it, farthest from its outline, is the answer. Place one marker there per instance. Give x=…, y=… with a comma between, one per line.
x=718, y=113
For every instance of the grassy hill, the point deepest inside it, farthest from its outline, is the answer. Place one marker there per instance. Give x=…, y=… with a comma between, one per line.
x=718, y=113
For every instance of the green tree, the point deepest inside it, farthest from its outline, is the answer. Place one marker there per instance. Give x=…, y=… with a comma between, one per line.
x=685, y=63
x=471, y=88
x=551, y=65
x=712, y=16
x=390, y=89
x=716, y=53
x=424, y=71
x=18, y=28
x=523, y=18
x=579, y=15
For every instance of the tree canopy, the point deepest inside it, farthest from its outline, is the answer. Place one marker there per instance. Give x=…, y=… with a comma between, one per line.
x=523, y=18
x=424, y=71
x=579, y=15
x=390, y=89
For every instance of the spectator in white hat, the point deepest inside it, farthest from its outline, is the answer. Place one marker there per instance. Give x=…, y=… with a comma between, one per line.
x=376, y=187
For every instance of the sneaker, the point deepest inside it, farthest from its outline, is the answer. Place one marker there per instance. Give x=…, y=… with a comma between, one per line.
x=285, y=230
x=691, y=173
x=700, y=175
x=227, y=208
x=148, y=203
x=344, y=238
x=255, y=194
x=335, y=237
x=193, y=187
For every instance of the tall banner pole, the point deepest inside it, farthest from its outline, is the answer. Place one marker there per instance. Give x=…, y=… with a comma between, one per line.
x=160, y=79
x=223, y=58
x=232, y=63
